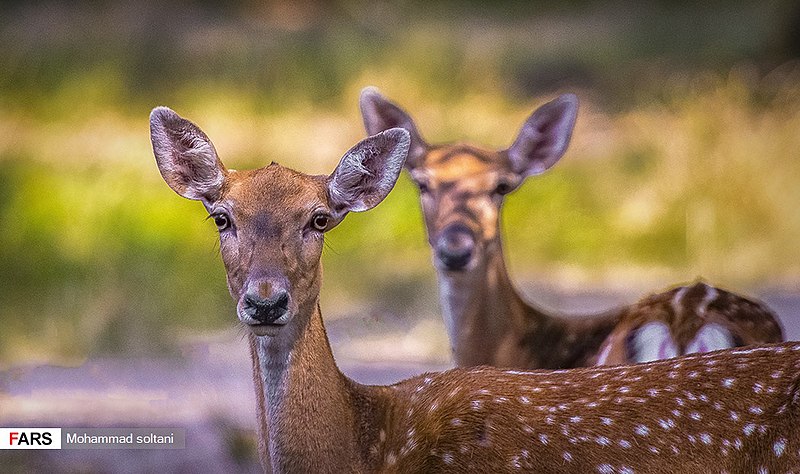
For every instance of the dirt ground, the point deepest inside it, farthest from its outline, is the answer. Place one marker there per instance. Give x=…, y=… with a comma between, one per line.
x=208, y=391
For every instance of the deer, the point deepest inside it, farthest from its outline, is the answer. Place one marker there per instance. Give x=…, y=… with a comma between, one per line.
x=462, y=188
x=734, y=410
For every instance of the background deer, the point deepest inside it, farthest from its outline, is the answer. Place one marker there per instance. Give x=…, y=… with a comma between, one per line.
x=728, y=411
x=462, y=188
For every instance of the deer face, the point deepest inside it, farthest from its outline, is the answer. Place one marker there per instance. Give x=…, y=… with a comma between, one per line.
x=271, y=221
x=462, y=187
x=461, y=192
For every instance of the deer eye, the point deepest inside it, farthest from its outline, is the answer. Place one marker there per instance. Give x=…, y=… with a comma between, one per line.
x=320, y=222
x=221, y=220
x=423, y=188
x=503, y=187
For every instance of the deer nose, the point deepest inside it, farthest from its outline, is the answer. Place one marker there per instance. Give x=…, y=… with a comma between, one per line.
x=455, y=246
x=266, y=310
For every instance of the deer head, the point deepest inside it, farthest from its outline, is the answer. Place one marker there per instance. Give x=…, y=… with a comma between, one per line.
x=271, y=220
x=462, y=187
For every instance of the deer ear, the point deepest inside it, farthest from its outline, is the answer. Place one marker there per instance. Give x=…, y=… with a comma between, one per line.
x=544, y=137
x=367, y=172
x=379, y=114
x=185, y=156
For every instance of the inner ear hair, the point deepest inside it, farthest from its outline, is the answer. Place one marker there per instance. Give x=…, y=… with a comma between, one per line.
x=185, y=156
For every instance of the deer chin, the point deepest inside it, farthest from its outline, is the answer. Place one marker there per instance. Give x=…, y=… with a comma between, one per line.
x=461, y=268
x=269, y=330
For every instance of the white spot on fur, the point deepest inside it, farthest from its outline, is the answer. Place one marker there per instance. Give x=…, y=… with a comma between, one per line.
x=641, y=430
x=779, y=447
x=667, y=424
x=677, y=307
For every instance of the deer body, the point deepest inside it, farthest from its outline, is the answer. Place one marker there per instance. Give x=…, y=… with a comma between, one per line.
x=462, y=189
x=727, y=411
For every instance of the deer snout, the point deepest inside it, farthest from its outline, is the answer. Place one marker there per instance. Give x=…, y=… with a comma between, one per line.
x=261, y=310
x=267, y=311
x=455, y=247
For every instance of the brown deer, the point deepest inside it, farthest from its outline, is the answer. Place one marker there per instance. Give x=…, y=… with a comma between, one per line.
x=728, y=411
x=462, y=188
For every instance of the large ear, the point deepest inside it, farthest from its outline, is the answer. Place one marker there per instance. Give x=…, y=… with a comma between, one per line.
x=185, y=156
x=544, y=137
x=379, y=114
x=367, y=172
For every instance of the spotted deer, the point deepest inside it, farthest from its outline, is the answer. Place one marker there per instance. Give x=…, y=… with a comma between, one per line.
x=728, y=411
x=462, y=189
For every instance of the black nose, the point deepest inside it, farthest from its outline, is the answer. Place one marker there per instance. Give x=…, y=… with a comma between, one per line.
x=455, y=246
x=266, y=311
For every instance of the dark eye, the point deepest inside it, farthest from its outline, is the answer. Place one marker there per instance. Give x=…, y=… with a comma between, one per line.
x=503, y=188
x=423, y=187
x=222, y=221
x=320, y=222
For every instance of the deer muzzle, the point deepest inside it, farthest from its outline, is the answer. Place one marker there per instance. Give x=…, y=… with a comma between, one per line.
x=455, y=247
x=264, y=314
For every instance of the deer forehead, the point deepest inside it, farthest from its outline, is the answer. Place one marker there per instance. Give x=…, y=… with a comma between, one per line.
x=464, y=164
x=280, y=192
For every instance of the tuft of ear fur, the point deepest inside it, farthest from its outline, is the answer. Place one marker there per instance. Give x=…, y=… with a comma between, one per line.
x=185, y=156
x=379, y=114
x=368, y=171
x=544, y=137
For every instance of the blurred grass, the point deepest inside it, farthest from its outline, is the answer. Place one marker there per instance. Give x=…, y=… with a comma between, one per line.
x=683, y=163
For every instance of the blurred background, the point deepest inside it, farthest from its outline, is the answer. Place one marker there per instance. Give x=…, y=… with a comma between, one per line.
x=685, y=163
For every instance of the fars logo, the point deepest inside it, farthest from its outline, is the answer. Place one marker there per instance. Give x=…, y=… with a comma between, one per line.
x=30, y=438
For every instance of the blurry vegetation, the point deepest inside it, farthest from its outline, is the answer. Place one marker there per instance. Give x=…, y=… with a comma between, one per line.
x=684, y=162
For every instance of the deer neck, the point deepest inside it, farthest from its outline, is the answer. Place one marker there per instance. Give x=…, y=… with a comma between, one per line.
x=483, y=311
x=489, y=323
x=311, y=420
